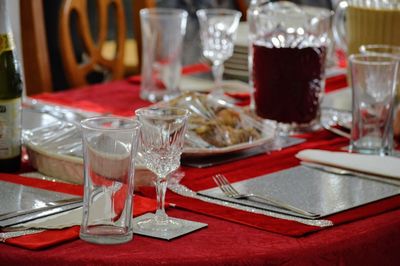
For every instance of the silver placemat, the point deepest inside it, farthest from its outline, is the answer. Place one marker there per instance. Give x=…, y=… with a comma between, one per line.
x=14, y=197
x=311, y=190
x=187, y=227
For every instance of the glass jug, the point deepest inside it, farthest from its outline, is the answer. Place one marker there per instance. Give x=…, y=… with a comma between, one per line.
x=360, y=22
x=287, y=53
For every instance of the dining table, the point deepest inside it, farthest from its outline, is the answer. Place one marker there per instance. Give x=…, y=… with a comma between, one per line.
x=365, y=235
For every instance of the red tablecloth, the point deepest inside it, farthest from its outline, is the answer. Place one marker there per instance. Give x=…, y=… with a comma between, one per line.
x=370, y=241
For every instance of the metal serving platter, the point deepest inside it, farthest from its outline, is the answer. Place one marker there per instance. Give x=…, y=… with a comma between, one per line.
x=311, y=190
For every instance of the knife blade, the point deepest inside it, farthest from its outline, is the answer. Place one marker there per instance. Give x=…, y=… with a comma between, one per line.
x=39, y=214
x=342, y=171
x=47, y=206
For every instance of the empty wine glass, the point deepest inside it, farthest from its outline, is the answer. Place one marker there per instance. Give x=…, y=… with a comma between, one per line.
x=218, y=33
x=161, y=144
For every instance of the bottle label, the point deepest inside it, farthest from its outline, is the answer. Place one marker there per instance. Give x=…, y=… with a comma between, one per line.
x=10, y=128
x=6, y=43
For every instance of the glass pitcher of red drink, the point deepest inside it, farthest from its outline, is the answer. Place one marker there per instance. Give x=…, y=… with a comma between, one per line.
x=287, y=53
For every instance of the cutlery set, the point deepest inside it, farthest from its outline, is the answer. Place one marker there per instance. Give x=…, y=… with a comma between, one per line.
x=297, y=191
x=21, y=204
x=231, y=192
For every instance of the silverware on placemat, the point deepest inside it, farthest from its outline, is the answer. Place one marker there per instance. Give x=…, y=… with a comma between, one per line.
x=47, y=206
x=187, y=192
x=342, y=171
x=22, y=203
x=231, y=192
x=308, y=189
x=39, y=213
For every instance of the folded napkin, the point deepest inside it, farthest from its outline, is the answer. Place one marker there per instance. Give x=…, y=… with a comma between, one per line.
x=372, y=164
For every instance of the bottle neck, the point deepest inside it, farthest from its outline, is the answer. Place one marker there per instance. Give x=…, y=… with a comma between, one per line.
x=4, y=23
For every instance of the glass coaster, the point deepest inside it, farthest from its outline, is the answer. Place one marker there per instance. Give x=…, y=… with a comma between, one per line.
x=187, y=227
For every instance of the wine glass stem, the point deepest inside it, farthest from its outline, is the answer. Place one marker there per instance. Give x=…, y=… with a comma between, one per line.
x=161, y=187
x=218, y=70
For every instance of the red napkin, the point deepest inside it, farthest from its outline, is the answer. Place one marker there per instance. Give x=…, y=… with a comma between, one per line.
x=50, y=238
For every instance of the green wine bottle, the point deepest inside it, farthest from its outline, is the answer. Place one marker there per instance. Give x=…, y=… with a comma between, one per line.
x=10, y=99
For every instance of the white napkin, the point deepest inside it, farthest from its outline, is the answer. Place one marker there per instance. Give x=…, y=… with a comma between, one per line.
x=373, y=164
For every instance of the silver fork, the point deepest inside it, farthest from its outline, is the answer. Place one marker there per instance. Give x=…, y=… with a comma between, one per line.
x=231, y=192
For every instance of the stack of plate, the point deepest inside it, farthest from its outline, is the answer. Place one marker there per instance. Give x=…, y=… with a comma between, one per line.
x=236, y=67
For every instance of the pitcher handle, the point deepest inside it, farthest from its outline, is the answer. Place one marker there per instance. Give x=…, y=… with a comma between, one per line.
x=339, y=27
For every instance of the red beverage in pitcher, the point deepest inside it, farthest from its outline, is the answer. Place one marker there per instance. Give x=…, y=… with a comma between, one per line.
x=288, y=83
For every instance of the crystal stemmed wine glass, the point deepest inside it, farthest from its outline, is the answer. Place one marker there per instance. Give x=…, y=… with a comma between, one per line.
x=218, y=33
x=161, y=144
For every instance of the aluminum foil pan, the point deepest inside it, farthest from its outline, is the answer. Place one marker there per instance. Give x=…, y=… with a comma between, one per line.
x=55, y=148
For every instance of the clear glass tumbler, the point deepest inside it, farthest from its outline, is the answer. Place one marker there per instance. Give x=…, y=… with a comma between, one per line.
x=373, y=80
x=163, y=31
x=109, y=150
x=392, y=50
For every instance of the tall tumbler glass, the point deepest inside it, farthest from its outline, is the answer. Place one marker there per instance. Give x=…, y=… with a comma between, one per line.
x=379, y=49
x=163, y=31
x=288, y=47
x=373, y=81
x=109, y=152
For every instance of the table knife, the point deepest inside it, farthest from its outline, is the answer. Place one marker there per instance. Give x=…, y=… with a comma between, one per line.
x=39, y=214
x=342, y=171
x=47, y=206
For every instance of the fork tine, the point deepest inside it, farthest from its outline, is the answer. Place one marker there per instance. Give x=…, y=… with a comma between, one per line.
x=225, y=188
x=220, y=185
x=228, y=185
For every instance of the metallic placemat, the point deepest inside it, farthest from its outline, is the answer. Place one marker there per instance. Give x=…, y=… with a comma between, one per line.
x=311, y=190
x=14, y=197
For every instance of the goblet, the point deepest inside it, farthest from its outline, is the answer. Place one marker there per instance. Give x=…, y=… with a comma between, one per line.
x=161, y=144
x=218, y=33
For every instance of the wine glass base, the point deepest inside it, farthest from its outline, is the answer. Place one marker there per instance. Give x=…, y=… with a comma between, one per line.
x=155, y=225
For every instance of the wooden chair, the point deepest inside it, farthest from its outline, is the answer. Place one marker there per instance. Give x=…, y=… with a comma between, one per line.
x=98, y=57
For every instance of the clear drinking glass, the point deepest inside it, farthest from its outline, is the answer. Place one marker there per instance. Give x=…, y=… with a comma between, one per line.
x=392, y=50
x=163, y=31
x=109, y=152
x=161, y=145
x=218, y=33
x=373, y=80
